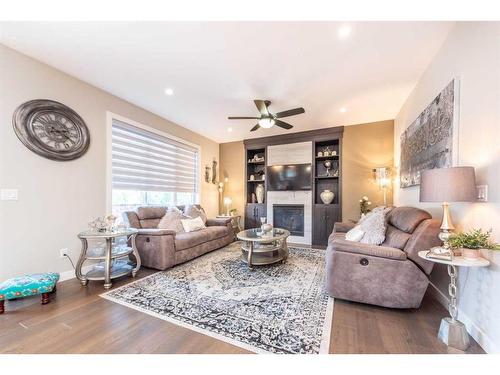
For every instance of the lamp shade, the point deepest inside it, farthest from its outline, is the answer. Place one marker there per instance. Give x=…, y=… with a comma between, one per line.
x=457, y=184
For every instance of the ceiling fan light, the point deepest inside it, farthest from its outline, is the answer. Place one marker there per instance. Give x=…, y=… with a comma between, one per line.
x=266, y=123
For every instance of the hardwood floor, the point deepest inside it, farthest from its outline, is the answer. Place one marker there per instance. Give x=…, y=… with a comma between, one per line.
x=78, y=321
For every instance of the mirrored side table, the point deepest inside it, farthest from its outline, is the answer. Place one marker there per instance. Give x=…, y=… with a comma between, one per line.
x=113, y=258
x=452, y=331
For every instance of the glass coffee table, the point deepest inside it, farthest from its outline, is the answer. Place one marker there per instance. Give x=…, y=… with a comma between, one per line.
x=260, y=248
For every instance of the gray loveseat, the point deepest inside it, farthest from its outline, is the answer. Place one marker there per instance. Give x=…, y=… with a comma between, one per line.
x=389, y=275
x=164, y=248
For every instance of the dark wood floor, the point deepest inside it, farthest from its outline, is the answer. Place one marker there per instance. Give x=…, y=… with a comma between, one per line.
x=79, y=321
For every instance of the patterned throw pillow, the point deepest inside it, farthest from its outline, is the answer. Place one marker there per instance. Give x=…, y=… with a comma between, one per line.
x=374, y=226
x=193, y=211
x=172, y=220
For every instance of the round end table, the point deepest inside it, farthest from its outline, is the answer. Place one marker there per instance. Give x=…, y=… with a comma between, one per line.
x=110, y=266
x=452, y=331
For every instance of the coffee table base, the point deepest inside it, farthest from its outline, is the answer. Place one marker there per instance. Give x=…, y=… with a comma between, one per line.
x=264, y=253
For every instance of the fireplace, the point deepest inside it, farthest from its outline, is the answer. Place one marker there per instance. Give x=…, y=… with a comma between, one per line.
x=289, y=217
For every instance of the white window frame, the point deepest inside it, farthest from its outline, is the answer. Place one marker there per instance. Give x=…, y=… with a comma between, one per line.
x=109, y=174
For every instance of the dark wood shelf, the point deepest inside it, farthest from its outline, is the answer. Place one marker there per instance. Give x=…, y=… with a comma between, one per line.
x=326, y=177
x=327, y=157
x=256, y=180
x=257, y=162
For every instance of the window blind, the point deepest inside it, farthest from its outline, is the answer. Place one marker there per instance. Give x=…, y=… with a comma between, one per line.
x=145, y=161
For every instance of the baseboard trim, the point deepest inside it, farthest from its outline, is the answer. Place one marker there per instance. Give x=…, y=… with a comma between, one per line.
x=481, y=337
x=68, y=275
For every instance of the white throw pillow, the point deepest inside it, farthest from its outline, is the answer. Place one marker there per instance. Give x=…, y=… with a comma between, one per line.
x=191, y=225
x=355, y=234
x=373, y=225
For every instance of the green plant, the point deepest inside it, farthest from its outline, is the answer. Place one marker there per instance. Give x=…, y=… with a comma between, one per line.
x=474, y=239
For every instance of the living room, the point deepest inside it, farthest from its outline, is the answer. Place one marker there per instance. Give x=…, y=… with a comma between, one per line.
x=166, y=190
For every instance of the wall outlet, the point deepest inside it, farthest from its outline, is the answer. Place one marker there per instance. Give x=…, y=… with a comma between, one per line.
x=482, y=193
x=8, y=194
x=63, y=252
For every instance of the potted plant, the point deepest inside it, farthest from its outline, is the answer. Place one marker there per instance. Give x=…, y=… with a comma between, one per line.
x=470, y=243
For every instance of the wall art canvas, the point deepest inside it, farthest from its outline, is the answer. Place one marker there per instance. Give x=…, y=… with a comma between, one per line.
x=431, y=141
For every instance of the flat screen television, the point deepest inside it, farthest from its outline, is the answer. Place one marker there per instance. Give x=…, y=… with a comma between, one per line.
x=289, y=177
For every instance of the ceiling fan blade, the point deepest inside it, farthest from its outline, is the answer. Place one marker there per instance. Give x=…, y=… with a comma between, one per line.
x=290, y=112
x=255, y=128
x=242, y=118
x=283, y=124
x=262, y=106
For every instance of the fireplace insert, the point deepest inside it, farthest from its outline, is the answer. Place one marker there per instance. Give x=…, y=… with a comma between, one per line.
x=289, y=217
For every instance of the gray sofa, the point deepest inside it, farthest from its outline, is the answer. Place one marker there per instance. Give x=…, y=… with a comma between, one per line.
x=389, y=275
x=164, y=248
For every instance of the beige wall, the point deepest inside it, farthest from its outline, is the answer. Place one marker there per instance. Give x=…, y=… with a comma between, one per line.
x=232, y=166
x=365, y=147
x=58, y=199
x=471, y=53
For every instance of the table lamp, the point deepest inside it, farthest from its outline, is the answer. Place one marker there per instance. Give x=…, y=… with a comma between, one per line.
x=227, y=202
x=457, y=184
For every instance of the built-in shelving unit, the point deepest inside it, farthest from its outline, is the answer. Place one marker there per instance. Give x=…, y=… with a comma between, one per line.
x=327, y=176
x=323, y=215
x=256, y=168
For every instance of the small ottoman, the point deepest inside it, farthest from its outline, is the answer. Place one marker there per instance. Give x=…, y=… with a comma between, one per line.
x=28, y=285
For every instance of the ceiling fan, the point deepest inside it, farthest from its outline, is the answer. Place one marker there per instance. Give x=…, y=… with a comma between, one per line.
x=268, y=119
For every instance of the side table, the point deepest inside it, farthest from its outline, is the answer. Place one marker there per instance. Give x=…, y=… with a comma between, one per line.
x=452, y=331
x=235, y=222
x=111, y=265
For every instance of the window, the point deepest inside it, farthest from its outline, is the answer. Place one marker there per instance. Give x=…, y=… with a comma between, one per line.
x=149, y=169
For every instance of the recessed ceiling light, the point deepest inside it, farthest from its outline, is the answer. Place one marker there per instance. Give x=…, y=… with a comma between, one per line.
x=343, y=110
x=169, y=92
x=344, y=31
x=229, y=129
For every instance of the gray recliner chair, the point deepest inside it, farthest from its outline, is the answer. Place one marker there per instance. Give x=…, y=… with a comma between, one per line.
x=389, y=275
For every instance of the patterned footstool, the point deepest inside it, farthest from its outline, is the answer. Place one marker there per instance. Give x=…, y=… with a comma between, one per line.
x=28, y=285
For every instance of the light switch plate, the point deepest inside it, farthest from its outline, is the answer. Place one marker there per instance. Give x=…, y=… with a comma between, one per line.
x=8, y=194
x=482, y=193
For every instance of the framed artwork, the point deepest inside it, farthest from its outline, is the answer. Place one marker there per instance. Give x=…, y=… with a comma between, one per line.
x=431, y=141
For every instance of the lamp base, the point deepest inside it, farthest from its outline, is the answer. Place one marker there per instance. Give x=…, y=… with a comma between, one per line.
x=454, y=334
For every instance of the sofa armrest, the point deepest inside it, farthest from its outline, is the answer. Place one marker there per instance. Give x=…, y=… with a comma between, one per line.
x=365, y=249
x=218, y=222
x=343, y=227
x=156, y=232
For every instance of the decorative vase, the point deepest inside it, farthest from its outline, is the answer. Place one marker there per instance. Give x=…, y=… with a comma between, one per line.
x=259, y=192
x=266, y=227
x=470, y=254
x=327, y=196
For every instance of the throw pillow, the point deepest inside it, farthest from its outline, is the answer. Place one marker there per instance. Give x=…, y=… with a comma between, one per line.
x=172, y=220
x=355, y=234
x=374, y=226
x=193, y=211
x=191, y=225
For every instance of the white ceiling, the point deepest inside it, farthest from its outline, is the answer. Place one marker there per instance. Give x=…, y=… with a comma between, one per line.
x=216, y=69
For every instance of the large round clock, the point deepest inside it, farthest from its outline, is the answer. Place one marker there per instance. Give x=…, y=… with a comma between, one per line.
x=51, y=129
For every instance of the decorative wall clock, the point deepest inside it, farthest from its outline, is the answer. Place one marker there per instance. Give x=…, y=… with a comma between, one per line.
x=51, y=129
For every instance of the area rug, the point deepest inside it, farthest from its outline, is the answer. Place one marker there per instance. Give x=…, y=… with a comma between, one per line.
x=281, y=308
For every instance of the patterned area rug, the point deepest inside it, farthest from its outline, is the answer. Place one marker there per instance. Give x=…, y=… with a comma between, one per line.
x=279, y=308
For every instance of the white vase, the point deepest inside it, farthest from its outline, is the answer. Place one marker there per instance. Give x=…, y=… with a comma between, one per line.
x=327, y=196
x=259, y=192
